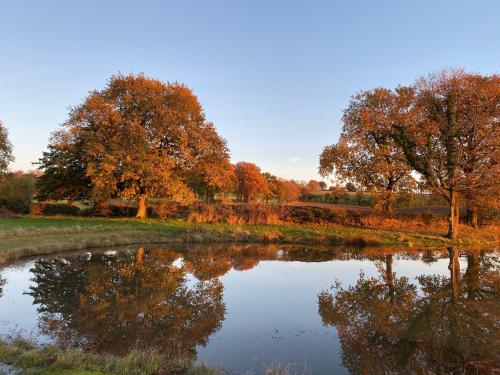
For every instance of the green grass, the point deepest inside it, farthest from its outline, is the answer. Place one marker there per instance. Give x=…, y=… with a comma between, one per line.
x=67, y=372
x=26, y=236
x=49, y=359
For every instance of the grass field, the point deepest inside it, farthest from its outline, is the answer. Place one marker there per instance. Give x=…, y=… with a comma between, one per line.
x=25, y=236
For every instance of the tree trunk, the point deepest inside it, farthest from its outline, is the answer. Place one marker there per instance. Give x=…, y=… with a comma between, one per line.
x=389, y=199
x=453, y=216
x=141, y=209
x=472, y=215
x=454, y=267
x=389, y=276
x=457, y=211
x=472, y=275
x=139, y=257
x=209, y=197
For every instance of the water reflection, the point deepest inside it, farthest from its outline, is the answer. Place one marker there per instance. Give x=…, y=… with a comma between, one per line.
x=242, y=307
x=443, y=325
x=116, y=302
x=2, y=283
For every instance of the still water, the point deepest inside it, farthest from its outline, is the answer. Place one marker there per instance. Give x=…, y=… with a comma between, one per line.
x=245, y=307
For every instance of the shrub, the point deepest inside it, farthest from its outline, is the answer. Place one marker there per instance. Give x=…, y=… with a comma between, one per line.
x=164, y=210
x=16, y=192
x=49, y=209
x=121, y=209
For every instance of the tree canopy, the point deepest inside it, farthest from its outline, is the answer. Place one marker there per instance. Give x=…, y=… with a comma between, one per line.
x=444, y=130
x=137, y=138
x=250, y=181
x=365, y=154
x=451, y=137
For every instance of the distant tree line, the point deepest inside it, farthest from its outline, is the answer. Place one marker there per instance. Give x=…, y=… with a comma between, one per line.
x=440, y=134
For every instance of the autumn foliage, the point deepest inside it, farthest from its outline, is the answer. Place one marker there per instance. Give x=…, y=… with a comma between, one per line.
x=366, y=154
x=443, y=130
x=250, y=182
x=138, y=138
x=451, y=138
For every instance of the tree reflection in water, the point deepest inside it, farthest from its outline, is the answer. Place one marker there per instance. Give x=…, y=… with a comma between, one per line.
x=2, y=283
x=166, y=299
x=386, y=326
x=171, y=301
x=118, y=302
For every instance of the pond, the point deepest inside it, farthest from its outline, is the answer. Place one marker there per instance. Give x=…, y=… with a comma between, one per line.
x=246, y=307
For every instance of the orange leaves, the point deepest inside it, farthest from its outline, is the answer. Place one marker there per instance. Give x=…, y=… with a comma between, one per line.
x=365, y=153
x=250, y=181
x=140, y=137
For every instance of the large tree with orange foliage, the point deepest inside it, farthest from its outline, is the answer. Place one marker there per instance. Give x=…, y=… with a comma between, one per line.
x=250, y=181
x=5, y=150
x=451, y=137
x=478, y=113
x=365, y=153
x=137, y=138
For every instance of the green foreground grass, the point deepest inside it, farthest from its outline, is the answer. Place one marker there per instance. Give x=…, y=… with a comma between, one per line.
x=23, y=357
x=27, y=358
x=27, y=236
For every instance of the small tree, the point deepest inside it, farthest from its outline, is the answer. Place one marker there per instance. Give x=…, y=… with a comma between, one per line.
x=5, y=150
x=365, y=153
x=313, y=186
x=323, y=185
x=250, y=181
x=64, y=169
x=273, y=185
x=16, y=191
x=350, y=187
x=288, y=191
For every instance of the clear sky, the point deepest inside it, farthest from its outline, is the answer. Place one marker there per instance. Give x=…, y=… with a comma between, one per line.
x=272, y=75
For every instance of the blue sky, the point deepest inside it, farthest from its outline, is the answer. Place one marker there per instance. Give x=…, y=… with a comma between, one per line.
x=272, y=75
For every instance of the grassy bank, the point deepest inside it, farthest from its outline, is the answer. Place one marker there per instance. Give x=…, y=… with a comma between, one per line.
x=23, y=357
x=25, y=236
x=27, y=358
